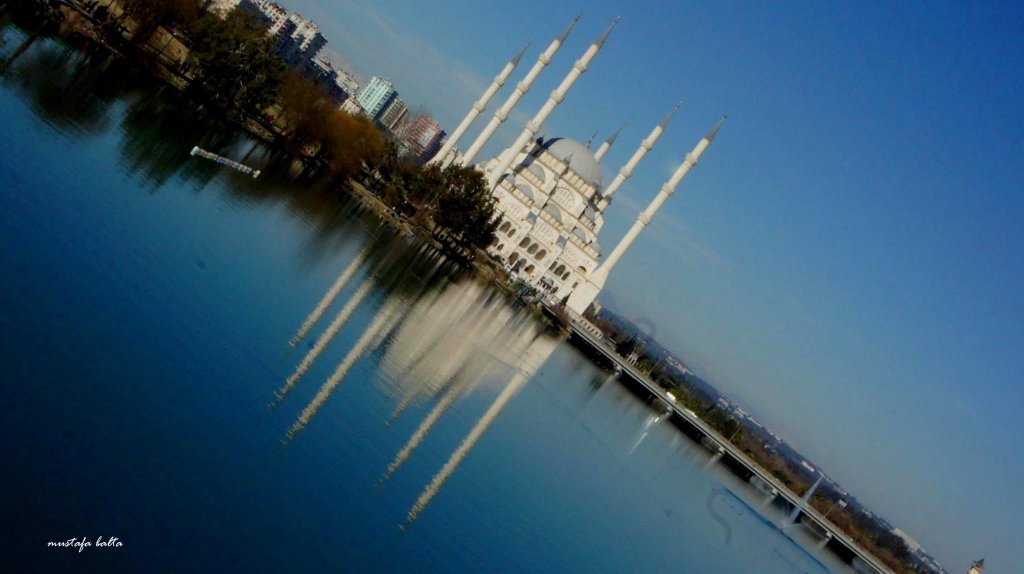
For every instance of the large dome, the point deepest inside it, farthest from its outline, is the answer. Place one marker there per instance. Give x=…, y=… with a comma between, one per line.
x=581, y=159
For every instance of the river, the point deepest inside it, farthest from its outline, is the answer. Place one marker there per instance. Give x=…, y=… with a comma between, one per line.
x=423, y=424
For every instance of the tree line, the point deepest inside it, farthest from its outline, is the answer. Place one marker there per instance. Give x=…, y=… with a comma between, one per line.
x=232, y=69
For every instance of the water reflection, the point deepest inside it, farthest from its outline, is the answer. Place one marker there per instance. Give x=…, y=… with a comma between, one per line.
x=403, y=274
x=149, y=150
x=437, y=346
x=83, y=92
x=451, y=343
x=70, y=89
x=327, y=299
x=651, y=421
x=537, y=353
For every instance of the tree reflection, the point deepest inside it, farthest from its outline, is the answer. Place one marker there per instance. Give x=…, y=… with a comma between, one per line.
x=159, y=132
x=70, y=89
x=85, y=91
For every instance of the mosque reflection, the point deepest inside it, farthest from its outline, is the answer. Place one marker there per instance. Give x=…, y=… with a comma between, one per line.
x=439, y=338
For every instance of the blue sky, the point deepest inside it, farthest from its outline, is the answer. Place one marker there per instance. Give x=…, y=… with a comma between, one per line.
x=846, y=259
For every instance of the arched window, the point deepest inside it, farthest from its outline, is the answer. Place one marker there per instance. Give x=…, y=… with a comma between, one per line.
x=553, y=264
x=500, y=247
x=583, y=269
x=542, y=254
x=529, y=269
x=511, y=232
x=505, y=227
x=513, y=258
x=565, y=276
x=560, y=270
x=532, y=249
x=524, y=242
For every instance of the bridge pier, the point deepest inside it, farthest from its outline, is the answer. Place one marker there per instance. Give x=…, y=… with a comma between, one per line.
x=769, y=498
x=824, y=542
x=718, y=455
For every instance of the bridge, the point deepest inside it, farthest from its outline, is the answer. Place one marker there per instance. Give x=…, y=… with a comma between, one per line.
x=838, y=541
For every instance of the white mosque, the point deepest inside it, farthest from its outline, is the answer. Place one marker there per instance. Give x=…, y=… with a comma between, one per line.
x=550, y=194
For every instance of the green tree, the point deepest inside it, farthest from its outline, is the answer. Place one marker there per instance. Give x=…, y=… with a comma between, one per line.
x=234, y=66
x=627, y=346
x=465, y=207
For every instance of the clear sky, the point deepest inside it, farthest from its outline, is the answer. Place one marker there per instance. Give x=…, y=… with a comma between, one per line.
x=846, y=259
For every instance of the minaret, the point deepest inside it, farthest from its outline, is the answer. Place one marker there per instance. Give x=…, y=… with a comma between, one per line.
x=442, y=155
x=607, y=144
x=585, y=293
x=645, y=146
x=977, y=567
x=534, y=125
x=521, y=88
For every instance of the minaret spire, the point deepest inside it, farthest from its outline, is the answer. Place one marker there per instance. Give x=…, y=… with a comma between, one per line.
x=478, y=107
x=534, y=125
x=645, y=146
x=607, y=144
x=600, y=41
x=565, y=34
x=521, y=88
x=584, y=294
x=519, y=56
x=714, y=131
x=668, y=117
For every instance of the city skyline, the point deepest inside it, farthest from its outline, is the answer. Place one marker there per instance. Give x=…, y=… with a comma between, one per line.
x=843, y=264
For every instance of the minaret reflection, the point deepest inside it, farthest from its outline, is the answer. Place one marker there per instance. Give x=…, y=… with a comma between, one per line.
x=536, y=354
x=328, y=298
x=398, y=261
x=387, y=318
x=463, y=324
x=321, y=343
x=487, y=335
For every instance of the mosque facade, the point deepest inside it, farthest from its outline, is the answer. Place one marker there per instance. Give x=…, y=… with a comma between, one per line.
x=551, y=208
x=549, y=193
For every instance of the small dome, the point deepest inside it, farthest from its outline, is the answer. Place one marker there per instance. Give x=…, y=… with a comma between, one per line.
x=525, y=190
x=581, y=159
x=537, y=170
x=554, y=212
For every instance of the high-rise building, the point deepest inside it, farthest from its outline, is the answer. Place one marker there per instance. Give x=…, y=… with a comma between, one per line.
x=376, y=95
x=347, y=83
x=298, y=40
x=423, y=136
x=271, y=14
x=351, y=106
x=393, y=113
x=222, y=6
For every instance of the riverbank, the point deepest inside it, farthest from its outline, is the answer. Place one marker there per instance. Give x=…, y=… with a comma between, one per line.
x=164, y=57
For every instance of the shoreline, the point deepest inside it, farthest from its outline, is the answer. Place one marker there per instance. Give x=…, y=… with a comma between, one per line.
x=77, y=20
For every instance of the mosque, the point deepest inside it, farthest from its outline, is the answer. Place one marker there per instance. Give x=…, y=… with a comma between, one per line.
x=549, y=192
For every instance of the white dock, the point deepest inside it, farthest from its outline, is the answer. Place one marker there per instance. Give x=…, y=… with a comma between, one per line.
x=225, y=161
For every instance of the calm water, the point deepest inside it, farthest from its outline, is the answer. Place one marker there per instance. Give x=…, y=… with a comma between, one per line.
x=147, y=301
